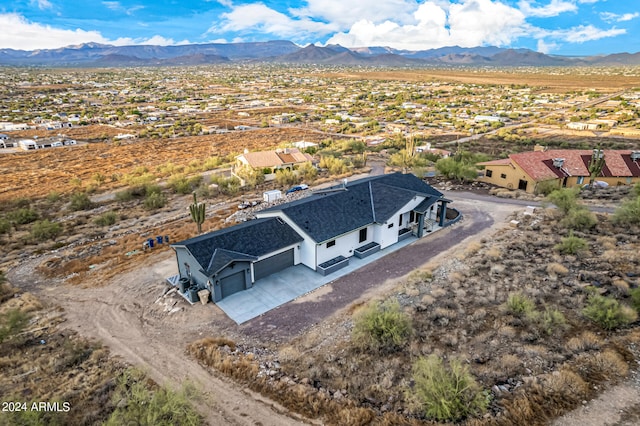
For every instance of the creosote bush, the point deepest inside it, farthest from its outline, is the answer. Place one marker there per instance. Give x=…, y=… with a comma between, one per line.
x=80, y=201
x=579, y=219
x=445, y=393
x=106, y=219
x=608, y=312
x=155, y=200
x=12, y=322
x=635, y=298
x=381, y=326
x=136, y=403
x=43, y=230
x=628, y=213
x=520, y=305
x=571, y=244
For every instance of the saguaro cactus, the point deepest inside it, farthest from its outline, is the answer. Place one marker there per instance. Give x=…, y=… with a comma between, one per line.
x=596, y=164
x=197, y=211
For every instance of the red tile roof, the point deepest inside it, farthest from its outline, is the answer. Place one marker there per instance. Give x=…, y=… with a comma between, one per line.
x=275, y=158
x=539, y=164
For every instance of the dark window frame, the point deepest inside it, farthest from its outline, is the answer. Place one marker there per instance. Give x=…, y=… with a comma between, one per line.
x=331, y=243
x=363, y=235
x=489, y=173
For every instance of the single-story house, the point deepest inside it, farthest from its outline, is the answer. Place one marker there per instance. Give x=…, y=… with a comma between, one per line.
x=276, y=159
x=568, y=167
x=321, y=231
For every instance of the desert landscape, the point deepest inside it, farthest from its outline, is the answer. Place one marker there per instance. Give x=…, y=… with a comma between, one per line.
x=526, y=310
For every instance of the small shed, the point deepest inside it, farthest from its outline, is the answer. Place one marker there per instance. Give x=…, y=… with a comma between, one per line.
x=269, y=196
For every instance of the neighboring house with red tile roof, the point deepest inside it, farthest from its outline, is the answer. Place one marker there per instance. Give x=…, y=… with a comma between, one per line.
x=569, y=167
x=286, y=158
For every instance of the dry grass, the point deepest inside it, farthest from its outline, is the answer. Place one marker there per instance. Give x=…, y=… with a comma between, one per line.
x=557, y=269
x=584, y=342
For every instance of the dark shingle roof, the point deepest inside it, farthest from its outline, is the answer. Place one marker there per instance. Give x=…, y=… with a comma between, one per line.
x=246, y=241
x=327, y=215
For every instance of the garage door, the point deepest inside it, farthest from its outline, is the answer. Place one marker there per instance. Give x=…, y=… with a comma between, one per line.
x=273, y=264
x=232, y=284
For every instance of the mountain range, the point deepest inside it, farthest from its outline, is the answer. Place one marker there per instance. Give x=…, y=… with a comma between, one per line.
x=286, y=52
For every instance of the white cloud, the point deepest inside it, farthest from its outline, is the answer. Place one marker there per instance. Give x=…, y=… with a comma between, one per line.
x=116, y=6
x=467, y=24
x=260, y=17
x=19, y=33
x=613, y=17
x=341, y=13
x=42, y=4
x=582, y=33
x=544, y=47
x=555, y=8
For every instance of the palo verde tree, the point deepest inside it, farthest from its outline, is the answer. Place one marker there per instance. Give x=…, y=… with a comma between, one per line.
x=197, y=211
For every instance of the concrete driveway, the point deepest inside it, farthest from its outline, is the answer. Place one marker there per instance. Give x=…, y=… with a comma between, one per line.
x=289, y=284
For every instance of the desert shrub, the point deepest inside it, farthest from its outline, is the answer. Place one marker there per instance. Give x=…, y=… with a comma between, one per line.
x=211, y=163
x=608, y=312
x=628, y=213
x=5, y=226
x=43, y=230
x=80, y=201
x=566, y=199
x=446, y=393
x=635, y=298
x=308, y=172
x=571, y=244
x=155, y=200
x=181, y=184
x=520, y=305
x=453, y=169
x=557, y=268
x=335, y=166
x=23, y=216
x=381, y=326
x=552, y=320
x=53, y=197
x=124, y=195
x=579, y=219
x=137, y=404
x=286, y=177
x=12, y=322
x=546, y=187
x=106, y=219
x=250, y=176
x=584, y=342
x=229, y=186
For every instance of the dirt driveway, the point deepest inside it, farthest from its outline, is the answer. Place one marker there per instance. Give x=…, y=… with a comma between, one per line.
x=132, y=316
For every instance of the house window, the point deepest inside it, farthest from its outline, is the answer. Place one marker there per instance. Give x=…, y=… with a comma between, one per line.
x=412, y=216
x=400, y=221
x=390, y=225
x=489, y=173
x=503, y=176
x=580, y=180
x=363, y=235
x=331, y=243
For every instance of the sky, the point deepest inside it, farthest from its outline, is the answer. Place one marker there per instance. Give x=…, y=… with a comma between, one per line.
x=562, y=27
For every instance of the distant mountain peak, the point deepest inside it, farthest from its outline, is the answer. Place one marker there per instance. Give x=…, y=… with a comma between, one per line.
x=284, y=51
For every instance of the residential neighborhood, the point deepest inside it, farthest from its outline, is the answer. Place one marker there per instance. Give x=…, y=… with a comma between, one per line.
x=316, y=243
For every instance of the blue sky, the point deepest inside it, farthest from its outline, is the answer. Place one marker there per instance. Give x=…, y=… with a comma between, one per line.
x=567, y=27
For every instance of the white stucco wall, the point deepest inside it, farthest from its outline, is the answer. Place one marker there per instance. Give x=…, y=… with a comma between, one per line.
x=345, y=245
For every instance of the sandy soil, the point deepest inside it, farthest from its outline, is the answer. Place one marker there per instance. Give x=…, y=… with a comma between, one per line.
x=134, y=317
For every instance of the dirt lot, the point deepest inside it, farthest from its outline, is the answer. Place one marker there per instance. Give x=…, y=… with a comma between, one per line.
x=36, y=174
